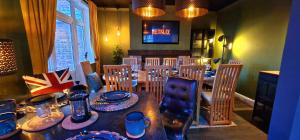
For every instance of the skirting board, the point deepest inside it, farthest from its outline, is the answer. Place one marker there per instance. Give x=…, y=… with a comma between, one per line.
x=245, y=99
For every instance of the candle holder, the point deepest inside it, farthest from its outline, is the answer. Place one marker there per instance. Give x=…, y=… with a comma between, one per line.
x=79, y=101
x=42, y=104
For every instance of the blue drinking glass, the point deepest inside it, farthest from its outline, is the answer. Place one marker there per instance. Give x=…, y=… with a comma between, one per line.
x=7, y=123
x=8, y=105
x=135, y=124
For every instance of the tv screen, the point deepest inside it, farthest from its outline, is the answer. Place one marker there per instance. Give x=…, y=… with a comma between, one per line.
x=160, y=32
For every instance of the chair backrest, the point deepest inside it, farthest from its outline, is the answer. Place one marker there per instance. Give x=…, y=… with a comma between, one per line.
x=155, y=80
x=132, y=62
x=179, y=97
x=223, y=89
x=232, y=61
x=118, y=77
x=170, y=62
x=192, y=61
x=152, y=62
x=139, y=60
x=86, y=67
x=193, y=72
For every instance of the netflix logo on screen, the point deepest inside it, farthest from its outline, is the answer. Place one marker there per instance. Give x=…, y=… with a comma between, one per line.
x=160, y=32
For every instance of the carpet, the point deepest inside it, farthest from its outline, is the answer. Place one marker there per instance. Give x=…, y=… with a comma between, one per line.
x=204, y=124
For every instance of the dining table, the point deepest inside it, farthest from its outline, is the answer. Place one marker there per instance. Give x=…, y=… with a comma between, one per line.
x=109, y=121
x=141, y=79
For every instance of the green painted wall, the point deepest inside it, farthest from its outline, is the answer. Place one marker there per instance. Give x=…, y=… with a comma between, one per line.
x=136, y=32
x=258, y=29
x=12, y=27
x=208, y=21
x=108, y=22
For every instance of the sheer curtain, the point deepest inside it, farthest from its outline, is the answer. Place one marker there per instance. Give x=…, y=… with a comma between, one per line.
x=94, y=33
x=39, y=19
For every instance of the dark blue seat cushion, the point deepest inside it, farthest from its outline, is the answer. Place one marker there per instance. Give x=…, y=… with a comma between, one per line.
x=94, y=82
x=178, y=106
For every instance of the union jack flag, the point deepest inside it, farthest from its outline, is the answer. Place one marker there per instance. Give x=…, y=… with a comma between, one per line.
x=46, y=83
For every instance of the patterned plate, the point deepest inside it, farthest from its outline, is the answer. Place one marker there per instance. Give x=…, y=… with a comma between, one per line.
x=114, y=96
x=116, y=106
x=98, y=135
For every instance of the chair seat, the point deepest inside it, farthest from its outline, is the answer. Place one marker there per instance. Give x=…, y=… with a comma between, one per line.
x=207, y=97
x=171, y=121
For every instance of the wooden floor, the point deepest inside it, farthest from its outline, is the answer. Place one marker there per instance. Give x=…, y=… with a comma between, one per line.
x=243, y=131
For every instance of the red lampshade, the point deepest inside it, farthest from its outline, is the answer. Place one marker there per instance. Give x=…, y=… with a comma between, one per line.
x=191, y=8
x=148, y=8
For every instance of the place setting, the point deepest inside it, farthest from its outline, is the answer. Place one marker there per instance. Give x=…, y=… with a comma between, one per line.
x=135, y=122
x=114, y=101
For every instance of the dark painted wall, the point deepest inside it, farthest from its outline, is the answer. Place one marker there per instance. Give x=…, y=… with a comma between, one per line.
x=208, y=21
x=12, y=27
x=258, y=29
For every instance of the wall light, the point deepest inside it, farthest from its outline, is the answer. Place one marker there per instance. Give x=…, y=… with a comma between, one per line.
x=227, y=43
x=229, y=46
x=211, y=40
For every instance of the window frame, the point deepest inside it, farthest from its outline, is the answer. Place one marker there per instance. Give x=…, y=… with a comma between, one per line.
x=73, y=22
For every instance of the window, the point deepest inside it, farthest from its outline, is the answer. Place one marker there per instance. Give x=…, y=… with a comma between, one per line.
x=72, y=36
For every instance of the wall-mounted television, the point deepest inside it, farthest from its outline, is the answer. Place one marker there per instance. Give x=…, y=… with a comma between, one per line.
x=160, y=32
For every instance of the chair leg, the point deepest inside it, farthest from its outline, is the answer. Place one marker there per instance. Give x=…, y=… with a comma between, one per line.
x=185, y=137
x=198, y=109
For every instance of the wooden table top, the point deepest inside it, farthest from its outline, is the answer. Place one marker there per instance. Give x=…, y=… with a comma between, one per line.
x=110, y=121
x=271, y=72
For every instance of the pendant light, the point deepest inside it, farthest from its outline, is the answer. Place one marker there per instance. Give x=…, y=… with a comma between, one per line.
x=191, y=8
x=105, y=38
x=148, y=8
x=119, y=23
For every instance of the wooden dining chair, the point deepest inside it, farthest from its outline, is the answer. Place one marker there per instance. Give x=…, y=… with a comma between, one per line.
x=139, y=60
x=218, y=104
x=152, y=62
x=118, y=77
x=192, y=61
x=182, y=59
x=86, y=67
x=170, y=62
x=194, y=72
x=155, y=80
x=132, y=62
x=232, y=61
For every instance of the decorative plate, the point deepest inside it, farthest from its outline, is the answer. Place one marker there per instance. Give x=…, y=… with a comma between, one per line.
x=114, y=106
x=114, y=96
x=98, y=135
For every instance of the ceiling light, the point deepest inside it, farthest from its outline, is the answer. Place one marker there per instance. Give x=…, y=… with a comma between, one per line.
x=148, y=8
x=191, y=8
